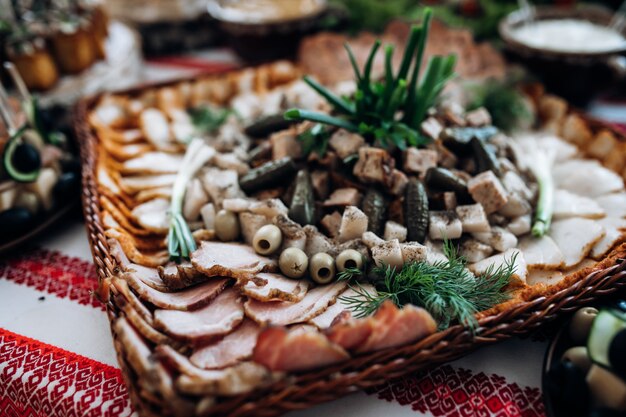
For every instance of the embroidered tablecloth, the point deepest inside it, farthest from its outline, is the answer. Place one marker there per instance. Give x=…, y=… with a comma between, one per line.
x=57, y=356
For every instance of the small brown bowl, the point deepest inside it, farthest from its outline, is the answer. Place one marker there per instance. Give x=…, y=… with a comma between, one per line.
x=257, y=40
x=576, y=76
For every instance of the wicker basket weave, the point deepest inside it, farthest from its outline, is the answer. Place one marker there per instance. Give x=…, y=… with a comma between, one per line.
x=361, y=372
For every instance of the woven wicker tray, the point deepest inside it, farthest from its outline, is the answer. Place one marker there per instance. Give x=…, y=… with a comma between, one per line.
x=304, y=390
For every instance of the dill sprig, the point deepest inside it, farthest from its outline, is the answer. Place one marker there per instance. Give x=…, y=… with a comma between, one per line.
x=387, y=112
x=446, y=289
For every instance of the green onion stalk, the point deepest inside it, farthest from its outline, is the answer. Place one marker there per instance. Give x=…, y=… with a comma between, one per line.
x=541, y=167
x=180, y=241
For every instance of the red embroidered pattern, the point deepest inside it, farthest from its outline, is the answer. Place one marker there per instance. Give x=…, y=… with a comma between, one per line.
x=57, y=274
x=450, y=392
x=37, y=379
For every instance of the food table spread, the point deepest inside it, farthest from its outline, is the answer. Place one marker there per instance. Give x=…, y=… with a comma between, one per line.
x=57, y=358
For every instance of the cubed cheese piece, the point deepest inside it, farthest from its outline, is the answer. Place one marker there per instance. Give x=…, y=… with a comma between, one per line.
x=321, y=183
x=331, y=224
x=353, y=224
x=519, y=225
x=374, y=165
x=418, y=161
x=346, y=143
x=473, y=218
x=498, y=238
x=315, y=241
x=388, y=253
x=371, y=239
x=399, y=182
x=478, y=117
x=284, y=144
x=270, y=207
x=607, y=389
x=250, y=224
x=208, y=216
x=515, y=206
x=43, y=186
x=496, y=261
x=432, y=128
x=236, y=205
x=343, y=197
x=413, y=252
x=395, y=230
x=474, y=251
x=444, y=225
x=487, y=190
x=513, y=183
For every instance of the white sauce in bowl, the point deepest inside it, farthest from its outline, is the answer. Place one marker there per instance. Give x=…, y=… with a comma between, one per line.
x=569, y=35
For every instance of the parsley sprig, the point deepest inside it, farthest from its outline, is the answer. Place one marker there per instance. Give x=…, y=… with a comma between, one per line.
x=387, y=112
x=447, y=289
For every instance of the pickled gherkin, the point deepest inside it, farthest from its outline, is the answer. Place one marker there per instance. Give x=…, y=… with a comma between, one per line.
x=416, y=211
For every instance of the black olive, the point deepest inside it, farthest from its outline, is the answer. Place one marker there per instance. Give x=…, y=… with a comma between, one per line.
x=26, y=158
x=617, y=352
x=67, y=187
x=567, y=387
x=15, y=221
x=71, y=165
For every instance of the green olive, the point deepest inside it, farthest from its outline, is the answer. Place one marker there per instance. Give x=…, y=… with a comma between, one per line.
x=226, y=225
x=322, y=268
x=293, y=262
x=581, y=324
x=349, y=258
x=267, y=239
x=579, y=356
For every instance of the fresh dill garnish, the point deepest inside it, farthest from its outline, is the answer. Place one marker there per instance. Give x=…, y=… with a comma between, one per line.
x=446, y=289
x=207, y=120
x=388, y=112
x=315, y=140
x=348, y=274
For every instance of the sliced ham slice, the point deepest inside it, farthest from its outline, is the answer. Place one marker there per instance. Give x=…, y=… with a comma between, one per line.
x=189, y=299
x=230, y=260
x=541, y=253
x=152, y=215
x=216, y=319
x=136, y=351
x=282, y=313
x=341, y=306
x=613, y=234
x=613, y=204
x=281, y=350
x=149, y=276
x=575, y=237
x=275, y=287
x=388, y=327
x=178, y=276
x=567, y=204
x=233, y=348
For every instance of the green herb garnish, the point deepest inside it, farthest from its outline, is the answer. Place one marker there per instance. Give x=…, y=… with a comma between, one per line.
x=388, y=113
x=504, y=102
x=446, y=289
x=180, y=241
x=208, y=120
x=315, y=140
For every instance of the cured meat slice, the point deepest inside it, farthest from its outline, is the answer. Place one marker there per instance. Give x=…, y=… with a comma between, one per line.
x=230, y=260
x=134, y=184
x=281, y=350
x=575, y=237
x=282, y=313
x=587, y=178
x=153, y=215
x=275, y=287
x=136, y=351
x=545, y=277
x=233, y=348
x=613, y=204
x=614, y=233
x=149, y=276
x=541, y=253
x=567, y=204
x=179, y=276
x=388, y=327
x=216, y=319
x=189, y=299
x=520, y=270
x=145, y=329
x=341, y=306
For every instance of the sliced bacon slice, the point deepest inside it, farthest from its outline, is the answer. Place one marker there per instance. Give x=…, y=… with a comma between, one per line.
x=234, y=260
x=282, y=313
x=388, y=327
x=341, y=307
x=299, y=350
x=149, y=276
x=216, y=319
x=180, y=276
x=275, y=287
x=189, y=299
x=237, y=379
x=233, y=348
